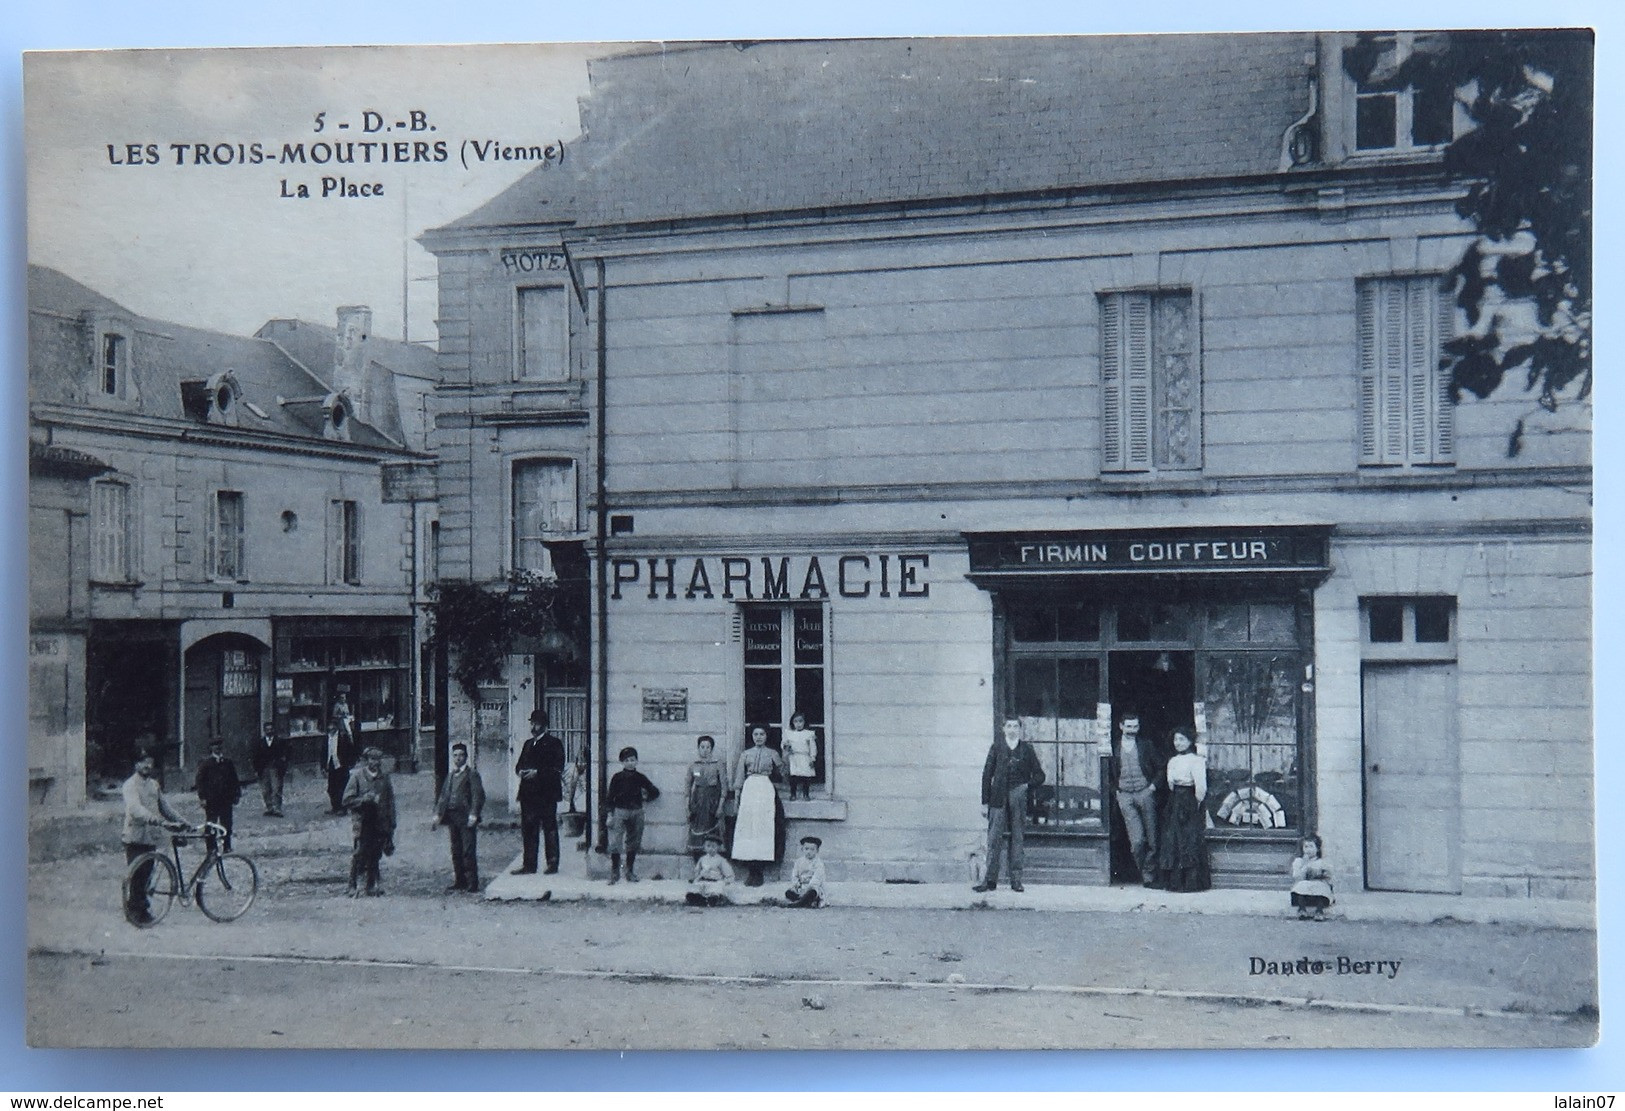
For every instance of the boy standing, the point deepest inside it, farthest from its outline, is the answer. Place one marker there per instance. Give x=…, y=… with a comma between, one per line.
x=462, y=797
x=628, y=790
x=807, y=877
x=217, y=787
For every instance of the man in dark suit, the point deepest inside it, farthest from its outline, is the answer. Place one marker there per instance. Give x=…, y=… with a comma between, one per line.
x=462, y=797
x=217, y=787
x=540, y=768
x=270, y=762
x=1011, y=770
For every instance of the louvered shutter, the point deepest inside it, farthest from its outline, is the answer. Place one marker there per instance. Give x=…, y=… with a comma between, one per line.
x=1111, y=384
x=1137, y=381
x=211, y=537
x=1444, y=442
x=352, y=542
x=1370, y=386
x=335, y=542
x=1421, y=367
x=1392, y=366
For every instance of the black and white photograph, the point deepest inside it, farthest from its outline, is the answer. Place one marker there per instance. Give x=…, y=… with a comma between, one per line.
x=1002, y=543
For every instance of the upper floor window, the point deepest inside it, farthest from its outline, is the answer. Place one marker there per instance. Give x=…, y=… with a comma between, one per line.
x=1407, y=414
x=344, y=542
x=1408, y=628
x=1151, y=382
x=224, y=557
x=114, y=363
x=544, y=508
x=1402, y=119
x=110, y=532
x=543, y=342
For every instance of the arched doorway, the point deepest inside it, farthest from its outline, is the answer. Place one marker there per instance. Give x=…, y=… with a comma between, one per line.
x=224, y=676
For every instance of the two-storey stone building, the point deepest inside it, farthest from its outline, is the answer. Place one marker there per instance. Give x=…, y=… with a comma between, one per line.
x=231, y=554
x=911, y=385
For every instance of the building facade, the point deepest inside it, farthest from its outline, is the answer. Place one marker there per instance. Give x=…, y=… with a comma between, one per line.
x=238, y=556
x=950, y=381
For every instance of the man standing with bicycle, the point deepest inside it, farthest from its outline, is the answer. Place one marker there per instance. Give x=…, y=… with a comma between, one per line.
x=147, y=814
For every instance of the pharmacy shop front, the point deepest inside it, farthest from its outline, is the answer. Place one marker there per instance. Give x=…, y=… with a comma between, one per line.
x=1209, y=630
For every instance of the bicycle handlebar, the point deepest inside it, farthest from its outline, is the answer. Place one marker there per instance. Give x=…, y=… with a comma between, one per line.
x=182, y=830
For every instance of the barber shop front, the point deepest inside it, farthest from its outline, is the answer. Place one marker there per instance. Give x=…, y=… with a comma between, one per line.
x=1210, y=630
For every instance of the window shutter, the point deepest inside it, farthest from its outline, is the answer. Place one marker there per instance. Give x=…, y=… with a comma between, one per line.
x=1111, y=384
x=1421, y=366
x=211, y=537
x=1370, y=390
x=239, y=538
x=1444, y=445
x=1391, y=368
x=335, y=542
x=1137, y=381
x=352, y=542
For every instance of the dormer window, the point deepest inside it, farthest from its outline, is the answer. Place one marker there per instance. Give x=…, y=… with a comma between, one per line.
x=214, y=400
x=114, y=363
x=1396, y=119
x=338, y=414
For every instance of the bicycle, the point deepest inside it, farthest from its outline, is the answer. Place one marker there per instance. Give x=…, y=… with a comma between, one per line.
x=224, y=884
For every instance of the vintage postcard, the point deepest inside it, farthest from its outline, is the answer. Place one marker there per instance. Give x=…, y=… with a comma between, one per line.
x=872, y=543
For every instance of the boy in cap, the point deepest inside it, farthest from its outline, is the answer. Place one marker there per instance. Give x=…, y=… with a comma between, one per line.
x=712, y=876
x=628, y=790
x=807, y=877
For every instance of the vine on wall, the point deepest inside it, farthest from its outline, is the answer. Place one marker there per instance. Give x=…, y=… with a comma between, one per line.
x=480, y=623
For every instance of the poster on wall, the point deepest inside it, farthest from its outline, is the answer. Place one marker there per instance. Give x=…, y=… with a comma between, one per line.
x=925, y=475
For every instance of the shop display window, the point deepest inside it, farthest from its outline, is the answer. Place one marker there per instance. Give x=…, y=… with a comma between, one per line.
x=372, y=671
x=1251, y=741
x=1055, y=699
x=786, y=668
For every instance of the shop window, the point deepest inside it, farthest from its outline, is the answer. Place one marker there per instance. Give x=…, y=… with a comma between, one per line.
x=1151, y=382
x=1406, y=119
x=543, y=341
x=544, y=509
x=1251, y=739
x=1408, y=628
x=225, y=556
x=1055, y=697
x=1251, y=623
x=786, y=665
x=1040, y=621
x=111, y=547
x=1153, y=621
x=344, y=542
x=1407, y=414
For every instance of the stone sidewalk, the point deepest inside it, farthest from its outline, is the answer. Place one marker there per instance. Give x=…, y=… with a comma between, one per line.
x=309, y=830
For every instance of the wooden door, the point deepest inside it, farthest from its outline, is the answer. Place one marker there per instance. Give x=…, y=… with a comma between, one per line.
x=1412, y=778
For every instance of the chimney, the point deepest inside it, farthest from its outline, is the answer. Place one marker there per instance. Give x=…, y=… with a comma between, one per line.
x=350, y=355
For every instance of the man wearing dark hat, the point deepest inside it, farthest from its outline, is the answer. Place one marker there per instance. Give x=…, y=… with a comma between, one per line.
x=540, y=768
x=218, y=787
x=369, y=796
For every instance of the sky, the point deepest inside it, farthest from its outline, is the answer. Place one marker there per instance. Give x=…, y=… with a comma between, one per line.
x=128, y=194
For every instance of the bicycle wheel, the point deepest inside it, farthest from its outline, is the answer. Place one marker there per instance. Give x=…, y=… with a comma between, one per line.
x=155, y=891
x=227, y=888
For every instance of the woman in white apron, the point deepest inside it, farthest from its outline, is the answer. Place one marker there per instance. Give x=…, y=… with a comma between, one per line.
x=758, y=837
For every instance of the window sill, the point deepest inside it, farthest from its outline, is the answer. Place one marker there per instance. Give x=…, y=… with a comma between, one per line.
x=131, y=585
x=815, y=810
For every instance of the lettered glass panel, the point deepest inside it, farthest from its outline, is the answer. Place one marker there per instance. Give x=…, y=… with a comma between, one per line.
x=1251, y=744
x=1054, y=698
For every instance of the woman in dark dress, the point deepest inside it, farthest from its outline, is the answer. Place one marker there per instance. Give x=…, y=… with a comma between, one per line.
x=1182, y=856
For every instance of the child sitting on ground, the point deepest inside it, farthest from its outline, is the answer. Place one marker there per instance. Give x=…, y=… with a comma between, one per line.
x=807, y=877
x=1312, y=881
x=712, y=876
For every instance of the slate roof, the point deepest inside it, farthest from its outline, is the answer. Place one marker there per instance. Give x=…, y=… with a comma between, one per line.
x=398, y=374
x=163, y=355
x=719, y=129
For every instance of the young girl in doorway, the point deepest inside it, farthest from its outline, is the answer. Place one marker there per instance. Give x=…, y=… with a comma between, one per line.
x=800, y=747
x=1311, y=880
